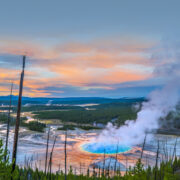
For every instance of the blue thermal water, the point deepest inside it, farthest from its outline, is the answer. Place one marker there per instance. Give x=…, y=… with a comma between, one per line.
x=100, y=148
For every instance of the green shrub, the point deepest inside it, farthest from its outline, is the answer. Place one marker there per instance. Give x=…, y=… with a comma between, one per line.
x=66, y=127
x=35, y=126
x=73, y=127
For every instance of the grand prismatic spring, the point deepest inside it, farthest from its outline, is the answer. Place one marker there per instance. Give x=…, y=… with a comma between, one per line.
x=100, y=148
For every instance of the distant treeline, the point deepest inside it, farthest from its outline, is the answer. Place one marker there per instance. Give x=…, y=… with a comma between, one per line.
x=115, y=112
x=68, y=101
x=42, y=108
x=73, y=127
x=3, y=119
x=101, y=114
x=33, y=126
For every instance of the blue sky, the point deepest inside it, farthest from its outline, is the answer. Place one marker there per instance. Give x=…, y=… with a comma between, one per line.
x=89, y=48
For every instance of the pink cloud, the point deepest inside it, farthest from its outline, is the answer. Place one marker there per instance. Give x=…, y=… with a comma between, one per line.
x=76, y=64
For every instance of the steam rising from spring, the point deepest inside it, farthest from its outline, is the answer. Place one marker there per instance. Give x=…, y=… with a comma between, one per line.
x=159, y=104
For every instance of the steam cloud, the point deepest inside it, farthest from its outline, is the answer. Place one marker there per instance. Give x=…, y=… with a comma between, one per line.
x=159, y=104
x=49, y=103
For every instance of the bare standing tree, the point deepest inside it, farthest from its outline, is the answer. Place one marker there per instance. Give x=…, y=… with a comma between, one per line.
x=143, y=147
x=47, y=147
x=174, y=152
x=65, y=155
x=115, y=164
x=156, y=165
x=8, y=122
x=104, y=160
x=16, y=134
x=51, y=156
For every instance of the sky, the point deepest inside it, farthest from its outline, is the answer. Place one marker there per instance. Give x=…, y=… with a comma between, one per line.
x=96, y=48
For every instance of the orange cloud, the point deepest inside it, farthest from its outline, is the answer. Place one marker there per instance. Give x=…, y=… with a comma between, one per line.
x=30, y=49
x=82, y=77
x=76, y=64
x=37, y=93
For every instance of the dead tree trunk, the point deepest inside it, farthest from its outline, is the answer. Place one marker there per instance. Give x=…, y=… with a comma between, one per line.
x=156, y=165
x=65, y=155
x=115, y=165
x=174, y=152
x=104, y=160
x=16, y=134
x=51, y=156
x=47, y=147
x=8, y=122
x=142, y=151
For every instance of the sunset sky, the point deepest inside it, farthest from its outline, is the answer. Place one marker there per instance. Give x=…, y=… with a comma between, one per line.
x=102, y=48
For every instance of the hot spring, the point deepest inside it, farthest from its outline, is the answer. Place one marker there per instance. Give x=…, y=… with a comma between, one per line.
x=99, y=148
